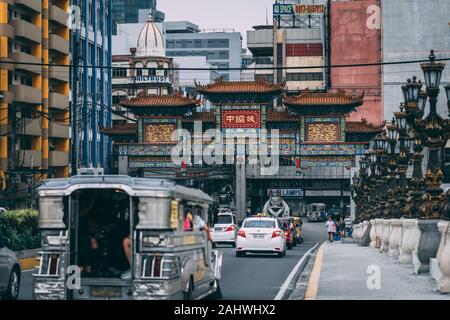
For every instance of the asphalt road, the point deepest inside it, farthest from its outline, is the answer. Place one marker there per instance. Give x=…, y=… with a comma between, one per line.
x=251, y=277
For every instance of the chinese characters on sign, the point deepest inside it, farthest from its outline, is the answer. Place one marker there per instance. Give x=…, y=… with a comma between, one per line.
x=326, y=132
x=155, y=133
x=241, y=119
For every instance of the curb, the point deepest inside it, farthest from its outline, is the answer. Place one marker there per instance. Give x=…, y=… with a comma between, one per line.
x=29, y=263
x=290, y=284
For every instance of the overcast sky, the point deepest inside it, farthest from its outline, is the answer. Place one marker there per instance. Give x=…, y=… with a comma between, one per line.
x=240, y=15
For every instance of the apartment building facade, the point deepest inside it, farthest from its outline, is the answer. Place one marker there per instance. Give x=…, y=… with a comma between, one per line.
x=34, y=97
x=91, y=108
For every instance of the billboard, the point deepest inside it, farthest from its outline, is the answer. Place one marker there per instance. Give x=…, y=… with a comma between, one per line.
x=285, y=193
x=298, y=9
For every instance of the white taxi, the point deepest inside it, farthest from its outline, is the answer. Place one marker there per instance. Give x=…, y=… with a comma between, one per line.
x=225, y=229
x=261, y=234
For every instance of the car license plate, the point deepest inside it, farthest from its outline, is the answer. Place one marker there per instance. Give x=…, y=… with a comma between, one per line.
x=106, y=292
x=218, y=229
x=258, y=236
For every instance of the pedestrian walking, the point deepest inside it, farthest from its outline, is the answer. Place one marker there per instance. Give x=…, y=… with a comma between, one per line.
x=348, y=226
x=331, y=229
x=342, y=227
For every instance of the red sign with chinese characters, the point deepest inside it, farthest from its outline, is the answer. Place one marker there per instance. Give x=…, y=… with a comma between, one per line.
x=241, y=119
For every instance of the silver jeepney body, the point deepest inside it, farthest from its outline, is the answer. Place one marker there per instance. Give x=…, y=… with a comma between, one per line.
x=185, y=258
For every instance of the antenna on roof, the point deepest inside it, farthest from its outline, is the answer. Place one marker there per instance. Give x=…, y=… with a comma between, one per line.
x=267, y=18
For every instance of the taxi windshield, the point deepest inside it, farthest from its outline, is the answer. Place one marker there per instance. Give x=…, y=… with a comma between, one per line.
x=225, y=219
x=259, y=224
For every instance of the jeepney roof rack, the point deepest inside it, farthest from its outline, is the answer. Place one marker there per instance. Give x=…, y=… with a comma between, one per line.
x=135, y=186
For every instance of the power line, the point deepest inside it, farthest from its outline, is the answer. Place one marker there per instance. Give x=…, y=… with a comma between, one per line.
x=229, y=68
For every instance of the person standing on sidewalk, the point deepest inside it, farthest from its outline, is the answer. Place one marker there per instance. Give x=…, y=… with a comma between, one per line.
x=348, y=226
x=331, y=229
x=342, y=227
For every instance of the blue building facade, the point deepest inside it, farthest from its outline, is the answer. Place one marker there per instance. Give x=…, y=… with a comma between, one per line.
x=91, y=105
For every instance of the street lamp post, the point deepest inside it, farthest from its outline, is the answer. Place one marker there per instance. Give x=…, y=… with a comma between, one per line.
x=392, y=210
x=403, y=160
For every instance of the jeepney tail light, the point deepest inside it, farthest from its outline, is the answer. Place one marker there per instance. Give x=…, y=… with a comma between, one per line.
x=49, y=264
x=241, y=233
x=230, y=228
x=276, y=234
x=159, y=266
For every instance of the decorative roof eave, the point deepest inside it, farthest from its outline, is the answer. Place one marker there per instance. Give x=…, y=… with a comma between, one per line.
x=160, y=101
x=339, y=99
x=120, y=130
x=274, y=116
x=239, y=87
x=207, y=117
x=363, y=127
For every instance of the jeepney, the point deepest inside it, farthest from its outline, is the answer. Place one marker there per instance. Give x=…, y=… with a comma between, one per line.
x=167, y=262
x=315, y=212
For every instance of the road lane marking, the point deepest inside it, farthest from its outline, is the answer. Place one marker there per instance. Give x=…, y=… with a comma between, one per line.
x=294, y=271
x=313, y=284
x=24, y=271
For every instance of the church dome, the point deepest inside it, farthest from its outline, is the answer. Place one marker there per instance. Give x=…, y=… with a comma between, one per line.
x=151, y=41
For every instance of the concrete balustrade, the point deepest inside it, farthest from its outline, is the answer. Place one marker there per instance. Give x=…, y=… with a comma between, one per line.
x=395, y=238
x=427, y=246
x=386, y=233
x=372, y=234
x=443, y=257
x=378, y=232
x=410, y=238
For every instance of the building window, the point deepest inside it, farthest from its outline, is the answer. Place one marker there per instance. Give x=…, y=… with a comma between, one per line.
x=218, y=43
x=266, y=77
x=304, y=76
x=197, y=43
x=91, y=15
x=119, y=72
x=224, y=55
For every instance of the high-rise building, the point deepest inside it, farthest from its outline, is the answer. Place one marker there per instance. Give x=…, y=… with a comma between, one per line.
x=222, y=48
x=296, y=39
x=34, y=98
x=91, y=85
x=127, y=11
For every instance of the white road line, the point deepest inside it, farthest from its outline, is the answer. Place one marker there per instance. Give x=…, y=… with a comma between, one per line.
x=29, y=270
x=288, y=281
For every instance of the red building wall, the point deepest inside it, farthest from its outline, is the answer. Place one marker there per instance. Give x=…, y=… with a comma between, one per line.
x=353, y=42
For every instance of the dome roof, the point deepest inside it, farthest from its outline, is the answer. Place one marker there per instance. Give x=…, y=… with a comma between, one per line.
x=151, y=40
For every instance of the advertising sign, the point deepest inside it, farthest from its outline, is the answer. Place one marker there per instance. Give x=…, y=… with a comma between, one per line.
x=298, y=9
x=151, y=79
x=285, y=193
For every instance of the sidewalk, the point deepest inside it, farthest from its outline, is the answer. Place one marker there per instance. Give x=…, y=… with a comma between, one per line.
x=340, y=272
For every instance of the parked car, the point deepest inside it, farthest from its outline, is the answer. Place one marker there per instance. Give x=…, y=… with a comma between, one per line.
x=225, y=229
x=261, y=235
x=9, y=272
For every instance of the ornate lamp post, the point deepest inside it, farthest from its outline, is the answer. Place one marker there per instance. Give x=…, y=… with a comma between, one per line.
x=364, y=188
x=373, y=196
x=436, y=132
x=403, y=159
x=391, y=210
